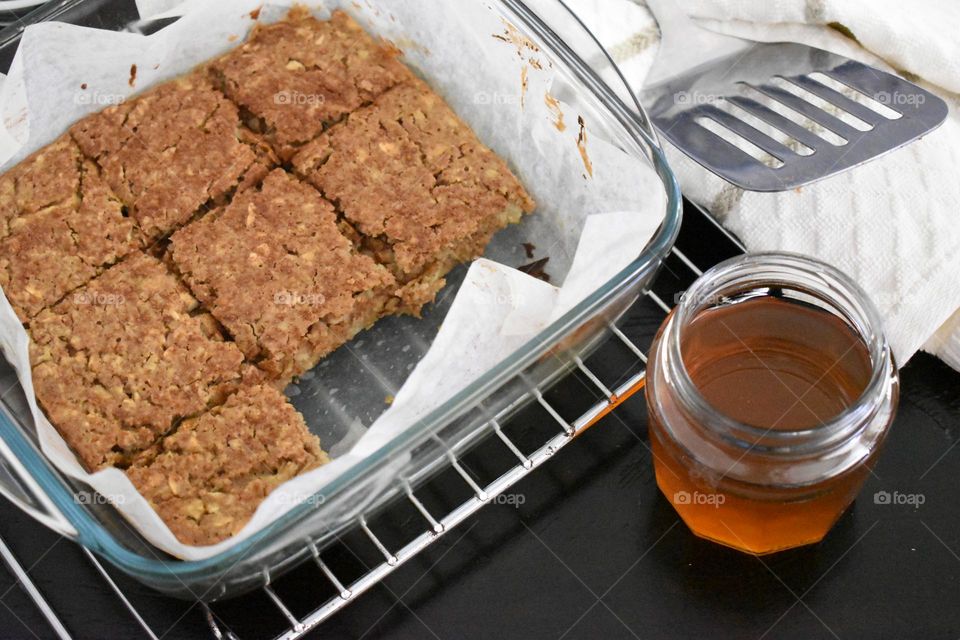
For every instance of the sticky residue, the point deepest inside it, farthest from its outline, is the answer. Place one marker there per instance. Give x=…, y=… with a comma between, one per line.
x=255, y=14
x=525, y=47
x=536, y=269
x=512, y=35
x=523, y=85
x=232, y=37
x=527, y=50
x=554, y=106
x=133, y=75
x=582, y=146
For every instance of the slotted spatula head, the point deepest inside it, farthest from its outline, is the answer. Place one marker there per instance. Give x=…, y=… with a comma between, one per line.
x=772, y=117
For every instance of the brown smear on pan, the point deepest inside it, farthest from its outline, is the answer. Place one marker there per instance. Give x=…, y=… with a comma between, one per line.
x=582, y=146
x=554, y=106
x=523, y=85
x=523, y=44
x=537, y=269
x=526, y=50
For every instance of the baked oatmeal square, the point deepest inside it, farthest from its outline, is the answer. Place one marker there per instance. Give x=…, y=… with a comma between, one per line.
x=173, y=152
x=118, y=362
x=294, y=77
x=417, y=185
x=49, y=177
x=276, y=272
x=207, y=479
x=60, y=226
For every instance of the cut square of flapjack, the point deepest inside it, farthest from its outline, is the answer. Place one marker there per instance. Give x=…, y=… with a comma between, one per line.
x=173, y=152
x=297, y=76
x=277, y=273
x=118, y=362
x=417, y=185
x=60, y=226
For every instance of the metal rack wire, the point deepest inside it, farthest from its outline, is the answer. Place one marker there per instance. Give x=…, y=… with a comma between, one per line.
x=434, y=525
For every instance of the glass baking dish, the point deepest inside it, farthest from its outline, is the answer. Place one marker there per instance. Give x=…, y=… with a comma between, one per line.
x=350, y=385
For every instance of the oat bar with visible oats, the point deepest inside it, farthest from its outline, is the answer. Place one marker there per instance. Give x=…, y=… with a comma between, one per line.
x=276, y=272
x=207, y=479
x=422, y=191
x=60, y=226
x=173, y=152
x=174, y=274
x=117, y=363
x=294, y=77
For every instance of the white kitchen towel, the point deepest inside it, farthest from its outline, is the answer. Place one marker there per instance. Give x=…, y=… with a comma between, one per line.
x=892, y=224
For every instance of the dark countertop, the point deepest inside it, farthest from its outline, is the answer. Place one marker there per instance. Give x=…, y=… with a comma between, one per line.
x=595, y=551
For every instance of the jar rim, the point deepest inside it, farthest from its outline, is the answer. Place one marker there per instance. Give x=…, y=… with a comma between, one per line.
x=797, y=272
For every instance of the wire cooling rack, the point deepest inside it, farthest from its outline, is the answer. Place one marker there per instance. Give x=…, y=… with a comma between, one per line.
x=469, y=481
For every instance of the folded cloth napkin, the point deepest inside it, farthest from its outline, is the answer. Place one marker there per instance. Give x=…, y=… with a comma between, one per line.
x=892, y=224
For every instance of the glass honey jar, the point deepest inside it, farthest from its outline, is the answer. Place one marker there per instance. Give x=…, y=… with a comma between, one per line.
x=770, y=389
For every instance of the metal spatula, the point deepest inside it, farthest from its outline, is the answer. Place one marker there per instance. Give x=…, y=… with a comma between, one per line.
x=772, y=117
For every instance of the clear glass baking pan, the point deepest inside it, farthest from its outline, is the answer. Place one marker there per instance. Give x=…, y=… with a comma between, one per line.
x=350, y=386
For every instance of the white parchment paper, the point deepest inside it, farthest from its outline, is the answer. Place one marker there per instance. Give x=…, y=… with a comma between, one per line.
x=595, y=219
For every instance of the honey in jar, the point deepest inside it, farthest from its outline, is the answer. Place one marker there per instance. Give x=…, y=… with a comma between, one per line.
x=771, y=389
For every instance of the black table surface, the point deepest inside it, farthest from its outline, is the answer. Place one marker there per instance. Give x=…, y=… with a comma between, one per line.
x=595, y=551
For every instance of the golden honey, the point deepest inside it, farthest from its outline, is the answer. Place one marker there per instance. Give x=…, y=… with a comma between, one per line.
x=770, y=390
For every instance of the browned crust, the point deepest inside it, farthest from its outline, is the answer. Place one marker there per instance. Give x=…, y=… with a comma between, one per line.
x=206, y=480
x=118, y=362
x=414, y=181
x=295, y=77
x=173, y=152
x=273, y=268
x=135, y=371
x=61, y=226
x=47, y=178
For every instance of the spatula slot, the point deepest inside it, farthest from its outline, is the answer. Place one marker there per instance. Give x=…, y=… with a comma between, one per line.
x=783, y=137
x=739, y=142
x=796, y=117
x=855, y=94
x=829, y=107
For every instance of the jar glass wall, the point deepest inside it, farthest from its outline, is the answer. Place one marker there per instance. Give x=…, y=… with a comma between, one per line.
x=770, y=390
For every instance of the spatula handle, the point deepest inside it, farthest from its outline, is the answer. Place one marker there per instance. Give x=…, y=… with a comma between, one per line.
x=683, y=44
